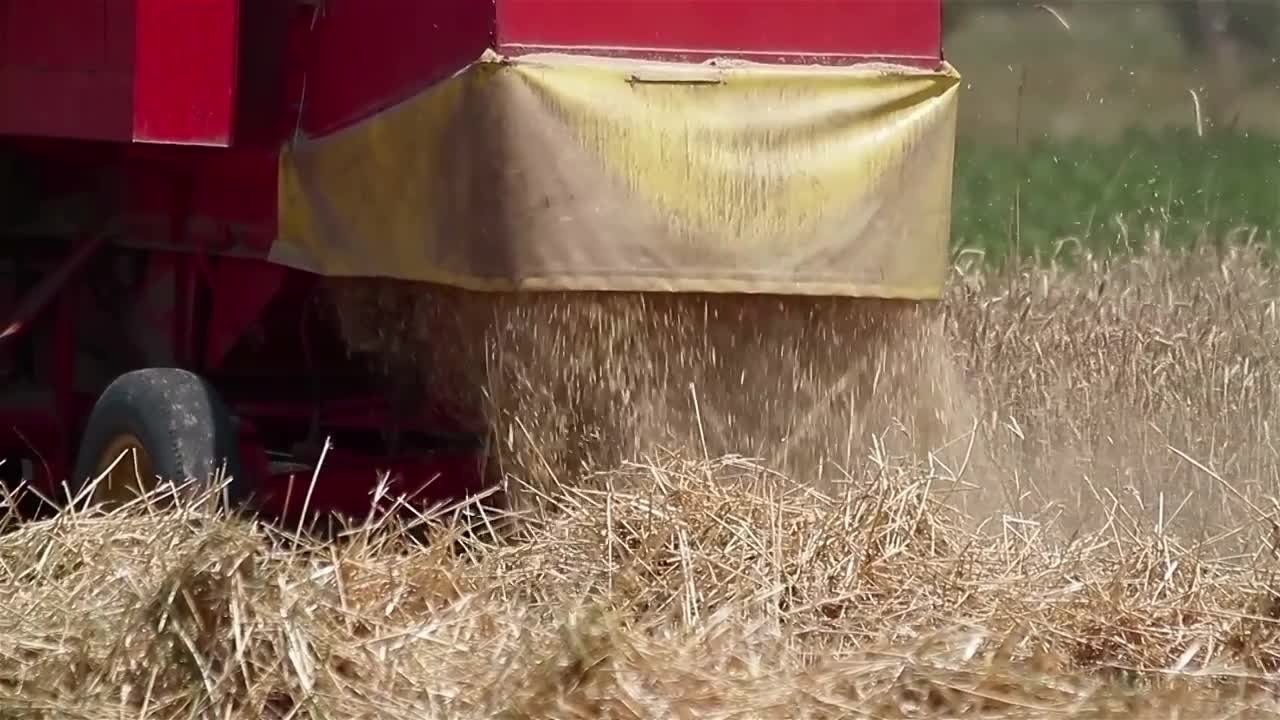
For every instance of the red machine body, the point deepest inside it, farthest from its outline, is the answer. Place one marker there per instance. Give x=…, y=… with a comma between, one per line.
x=143, y=138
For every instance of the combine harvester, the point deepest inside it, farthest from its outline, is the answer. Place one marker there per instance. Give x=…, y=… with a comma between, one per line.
x=212, y=208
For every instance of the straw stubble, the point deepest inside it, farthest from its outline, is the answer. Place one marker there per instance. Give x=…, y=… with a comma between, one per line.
x=689, y=587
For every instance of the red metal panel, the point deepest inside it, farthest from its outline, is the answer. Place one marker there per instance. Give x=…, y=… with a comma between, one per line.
x=763, y=29
x=185, y=71
x=165, y=71
x=352, y=58
x=144, y=70
x=231, y=195
x=66, y=68
x=239, y=290
x=70, y=36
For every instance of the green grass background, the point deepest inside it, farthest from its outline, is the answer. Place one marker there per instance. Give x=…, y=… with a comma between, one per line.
x=1110, y=194
x=1091, y=134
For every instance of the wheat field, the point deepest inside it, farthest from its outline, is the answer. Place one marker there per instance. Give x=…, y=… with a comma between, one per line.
x=1120, y=564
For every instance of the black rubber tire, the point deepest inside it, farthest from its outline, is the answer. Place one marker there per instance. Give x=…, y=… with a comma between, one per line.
x=179, y=419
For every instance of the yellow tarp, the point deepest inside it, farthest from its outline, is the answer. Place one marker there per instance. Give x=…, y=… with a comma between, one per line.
x=555, y=172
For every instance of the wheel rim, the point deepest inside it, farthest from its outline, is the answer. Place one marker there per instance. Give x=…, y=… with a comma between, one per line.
x=127, y=479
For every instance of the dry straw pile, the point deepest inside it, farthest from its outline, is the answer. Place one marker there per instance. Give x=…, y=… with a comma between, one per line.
x=1136, y=396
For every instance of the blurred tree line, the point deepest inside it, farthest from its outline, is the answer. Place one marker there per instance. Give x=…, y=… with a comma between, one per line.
x=1204, y=26
x=1231, y=42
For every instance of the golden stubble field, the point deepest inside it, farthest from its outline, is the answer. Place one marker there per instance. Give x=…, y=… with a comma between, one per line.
x=1097, y=540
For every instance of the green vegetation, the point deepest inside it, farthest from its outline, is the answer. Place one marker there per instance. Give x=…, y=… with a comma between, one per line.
x=1174, y=183
x=1106, y=98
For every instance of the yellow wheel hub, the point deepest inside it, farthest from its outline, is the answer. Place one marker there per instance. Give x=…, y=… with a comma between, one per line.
x=126, y=470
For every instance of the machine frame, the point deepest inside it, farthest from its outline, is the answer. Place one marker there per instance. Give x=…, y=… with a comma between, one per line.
x=139, y=160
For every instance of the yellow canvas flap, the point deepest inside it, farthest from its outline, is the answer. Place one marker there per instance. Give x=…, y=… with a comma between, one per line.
x=555, y=172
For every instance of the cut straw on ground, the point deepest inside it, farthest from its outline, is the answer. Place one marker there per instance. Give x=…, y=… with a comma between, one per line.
x=706, y=589
x=1122, y=565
